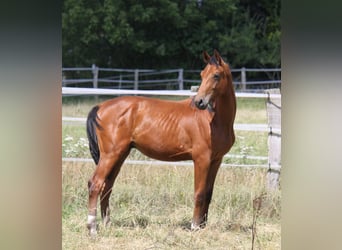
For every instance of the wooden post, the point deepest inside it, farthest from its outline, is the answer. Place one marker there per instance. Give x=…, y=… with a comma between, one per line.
x=120, y=82
x=194, y=88
x=95, y=71
x=136, y=79
x=243, y=79
x=180, y=79
x=273, y=107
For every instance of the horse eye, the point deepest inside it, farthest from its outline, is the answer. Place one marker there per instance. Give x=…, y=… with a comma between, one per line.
x=216, y=76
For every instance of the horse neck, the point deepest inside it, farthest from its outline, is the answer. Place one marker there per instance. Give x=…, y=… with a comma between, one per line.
x=226, y=107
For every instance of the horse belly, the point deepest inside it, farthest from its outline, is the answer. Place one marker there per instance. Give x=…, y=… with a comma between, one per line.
x=163, y=154
x=164, y=146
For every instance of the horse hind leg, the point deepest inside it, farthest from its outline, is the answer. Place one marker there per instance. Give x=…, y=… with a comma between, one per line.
x=104, y=200
x=97, y=184
x=107, y=190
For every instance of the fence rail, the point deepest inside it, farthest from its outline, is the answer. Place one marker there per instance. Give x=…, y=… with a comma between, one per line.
x=98, y=91
x=273, y=128
x=164, y=79
x=167, y=163
x=237, y=127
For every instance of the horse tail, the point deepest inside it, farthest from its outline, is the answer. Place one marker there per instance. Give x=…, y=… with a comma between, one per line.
x=92, y=124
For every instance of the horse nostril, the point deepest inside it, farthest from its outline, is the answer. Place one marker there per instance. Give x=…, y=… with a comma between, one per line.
x=200, y=104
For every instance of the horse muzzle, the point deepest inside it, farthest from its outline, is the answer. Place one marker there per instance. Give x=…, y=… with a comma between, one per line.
x=202, y=102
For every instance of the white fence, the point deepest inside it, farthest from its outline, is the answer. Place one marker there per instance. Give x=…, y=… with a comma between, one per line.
x=98, y=91
x=163, y=79
x=244, y=127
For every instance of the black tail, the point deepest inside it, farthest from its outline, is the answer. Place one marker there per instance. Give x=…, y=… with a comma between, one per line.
x=92, y=124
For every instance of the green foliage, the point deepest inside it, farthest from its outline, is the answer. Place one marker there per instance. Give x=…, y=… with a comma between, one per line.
x=170, y=33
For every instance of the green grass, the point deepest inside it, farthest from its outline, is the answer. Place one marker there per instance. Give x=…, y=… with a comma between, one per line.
x=251, y=110
x=151, y=206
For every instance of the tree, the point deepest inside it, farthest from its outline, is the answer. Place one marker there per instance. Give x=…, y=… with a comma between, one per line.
x=169, y=33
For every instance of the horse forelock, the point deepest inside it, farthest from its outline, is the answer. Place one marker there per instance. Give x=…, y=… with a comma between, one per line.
x=213, y=61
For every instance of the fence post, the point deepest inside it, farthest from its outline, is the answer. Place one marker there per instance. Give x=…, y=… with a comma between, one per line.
x=95, y=71
x=120, y=82
x=136, y=79
x=243, y=79
x=180, y=79
x=273, y=107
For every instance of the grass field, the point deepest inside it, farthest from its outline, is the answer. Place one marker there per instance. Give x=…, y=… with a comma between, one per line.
x=151, y=206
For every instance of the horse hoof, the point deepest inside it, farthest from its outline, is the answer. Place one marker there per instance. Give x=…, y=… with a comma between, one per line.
x=92, y=233
x=195, y=227
x=92, y=230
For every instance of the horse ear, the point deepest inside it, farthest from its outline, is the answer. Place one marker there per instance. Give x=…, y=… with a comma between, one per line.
x=206, y=57
x=218, y=57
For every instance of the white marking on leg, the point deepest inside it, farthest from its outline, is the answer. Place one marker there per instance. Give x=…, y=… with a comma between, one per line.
x=91, y=219
x=91, y=224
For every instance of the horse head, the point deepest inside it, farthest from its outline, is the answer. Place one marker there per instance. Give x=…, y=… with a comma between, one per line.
x=215, y=77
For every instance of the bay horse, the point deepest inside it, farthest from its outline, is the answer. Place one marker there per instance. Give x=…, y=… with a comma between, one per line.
x=198, y=129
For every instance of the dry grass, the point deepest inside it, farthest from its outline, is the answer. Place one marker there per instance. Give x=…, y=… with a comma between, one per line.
x=251, y=110
x=152, y=209
x=151, y=206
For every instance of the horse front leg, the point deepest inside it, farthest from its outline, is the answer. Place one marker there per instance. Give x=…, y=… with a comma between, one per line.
x=205, y=174
x=214, y=166
x=202, y=166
